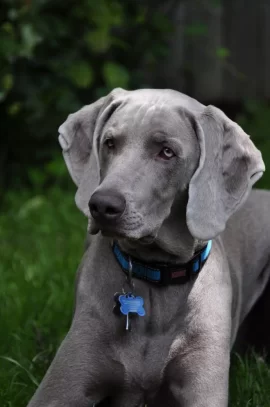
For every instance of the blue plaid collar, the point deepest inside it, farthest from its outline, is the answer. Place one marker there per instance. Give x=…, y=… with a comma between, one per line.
x=160, y=273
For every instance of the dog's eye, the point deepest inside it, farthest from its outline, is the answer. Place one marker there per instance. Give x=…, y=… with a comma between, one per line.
x=109, y=143
x=166, y=153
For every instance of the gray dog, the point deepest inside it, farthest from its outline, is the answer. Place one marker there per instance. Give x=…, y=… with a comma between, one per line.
x=166, y=181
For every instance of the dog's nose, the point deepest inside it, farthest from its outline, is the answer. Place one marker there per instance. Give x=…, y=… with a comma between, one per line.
x=107, y=205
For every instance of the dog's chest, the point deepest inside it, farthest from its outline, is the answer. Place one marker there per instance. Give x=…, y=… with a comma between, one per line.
x=144, y=360
x=146, y=350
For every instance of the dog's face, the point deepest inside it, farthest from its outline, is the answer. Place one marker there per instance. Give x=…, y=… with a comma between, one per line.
x=133, y=153
x=147, y=154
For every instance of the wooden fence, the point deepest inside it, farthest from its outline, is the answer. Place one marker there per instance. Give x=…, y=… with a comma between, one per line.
x=220, y=49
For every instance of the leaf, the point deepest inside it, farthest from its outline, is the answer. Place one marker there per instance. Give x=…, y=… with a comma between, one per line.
x=141, y=16
x=98, y=41
x=223, y=53
x=56, y=167
x=117, y=14
x=8, y=28
x=196, y=29
x=119, y=43
x=12, y=14
x=9, y=47
x=115, y=75
x=14, y=108
x=16, y=363
x=81, y=74
x=161, y=23
x=7, y=81
x=2, y=95
x=107, y=14
x=29, y=40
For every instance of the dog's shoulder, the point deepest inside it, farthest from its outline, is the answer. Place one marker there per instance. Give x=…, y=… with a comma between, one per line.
x=247, y=233
x=253, y=218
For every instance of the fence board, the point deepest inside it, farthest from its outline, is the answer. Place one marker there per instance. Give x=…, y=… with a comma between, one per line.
x=193, y=64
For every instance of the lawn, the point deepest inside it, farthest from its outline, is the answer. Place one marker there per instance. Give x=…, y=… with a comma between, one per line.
x=41, y=243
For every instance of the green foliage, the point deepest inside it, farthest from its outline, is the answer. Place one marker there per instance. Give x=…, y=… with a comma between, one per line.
x=222, y=53
x=41, y=243
x=56, y=56
x=196, y=29
x=250, y=377
x=115, y=75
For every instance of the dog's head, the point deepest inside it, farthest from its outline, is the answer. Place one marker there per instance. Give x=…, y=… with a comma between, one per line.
x=132, y=154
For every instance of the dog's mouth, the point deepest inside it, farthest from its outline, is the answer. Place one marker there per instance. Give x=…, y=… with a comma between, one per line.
x=113, y=233
x=144, y=240
x=148, y=239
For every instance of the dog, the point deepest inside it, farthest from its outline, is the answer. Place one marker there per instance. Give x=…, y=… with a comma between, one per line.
x=177, y=252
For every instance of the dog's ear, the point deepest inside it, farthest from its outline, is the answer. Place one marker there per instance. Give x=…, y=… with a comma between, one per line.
x=78, y=137
x=228, y=167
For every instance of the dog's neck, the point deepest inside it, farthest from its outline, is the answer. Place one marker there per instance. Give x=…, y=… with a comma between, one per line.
x=174, y=243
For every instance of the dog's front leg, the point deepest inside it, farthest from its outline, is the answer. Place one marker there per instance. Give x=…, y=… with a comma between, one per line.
x=199, y=377
x=79, y=375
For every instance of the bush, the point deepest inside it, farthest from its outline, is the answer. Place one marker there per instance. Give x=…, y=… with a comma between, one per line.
x=56, y=56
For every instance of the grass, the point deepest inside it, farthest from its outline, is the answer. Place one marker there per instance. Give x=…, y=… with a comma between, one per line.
x=41, y=243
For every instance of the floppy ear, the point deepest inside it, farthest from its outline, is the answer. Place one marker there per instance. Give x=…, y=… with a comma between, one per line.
x=229, y=165
x=78, y=138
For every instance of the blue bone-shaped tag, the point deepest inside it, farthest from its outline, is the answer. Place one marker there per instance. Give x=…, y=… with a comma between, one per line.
x=130, y=303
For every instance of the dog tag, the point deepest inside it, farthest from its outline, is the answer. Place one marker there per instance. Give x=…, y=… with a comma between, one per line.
x=129, y=303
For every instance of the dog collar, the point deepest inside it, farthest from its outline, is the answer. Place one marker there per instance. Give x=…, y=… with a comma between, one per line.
x=163, y=274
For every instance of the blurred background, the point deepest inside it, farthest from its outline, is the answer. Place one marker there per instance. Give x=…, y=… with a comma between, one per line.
x=55, y=57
